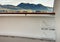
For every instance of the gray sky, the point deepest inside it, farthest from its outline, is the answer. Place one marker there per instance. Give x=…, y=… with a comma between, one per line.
x=16, y=2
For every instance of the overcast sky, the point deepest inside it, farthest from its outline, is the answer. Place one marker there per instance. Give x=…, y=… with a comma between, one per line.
x=16, y=2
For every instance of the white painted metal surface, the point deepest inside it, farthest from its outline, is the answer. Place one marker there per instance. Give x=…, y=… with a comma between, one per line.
x=28, y=26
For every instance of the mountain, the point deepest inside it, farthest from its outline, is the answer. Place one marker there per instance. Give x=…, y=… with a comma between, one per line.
x=50, y=9
x=10, y=7
x=25, y=7
x=37, y=7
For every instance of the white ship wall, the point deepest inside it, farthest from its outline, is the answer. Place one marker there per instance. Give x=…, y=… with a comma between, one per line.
x=28, y=26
